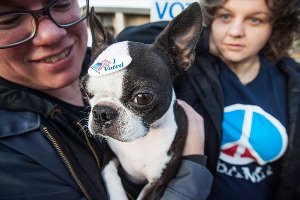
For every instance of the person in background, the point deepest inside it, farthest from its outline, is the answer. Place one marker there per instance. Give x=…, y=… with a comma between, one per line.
x=247, y=89
x=45, y=149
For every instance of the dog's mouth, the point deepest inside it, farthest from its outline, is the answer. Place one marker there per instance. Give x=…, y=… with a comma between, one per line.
x=105, y=129
x=109, y=129
x=110, y=121
x=117, y=129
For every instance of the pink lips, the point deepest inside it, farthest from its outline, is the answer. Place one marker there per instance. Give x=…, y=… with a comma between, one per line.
x=57, y=61
x=55, y=57
x=234, y=47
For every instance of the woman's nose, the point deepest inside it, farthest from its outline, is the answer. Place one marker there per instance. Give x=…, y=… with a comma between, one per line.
x=237, y=29
x=48, y=33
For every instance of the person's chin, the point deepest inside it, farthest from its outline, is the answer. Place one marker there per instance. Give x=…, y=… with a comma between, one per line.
x=234, y=56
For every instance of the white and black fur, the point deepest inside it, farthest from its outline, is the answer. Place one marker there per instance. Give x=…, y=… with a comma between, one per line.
x=135, y=109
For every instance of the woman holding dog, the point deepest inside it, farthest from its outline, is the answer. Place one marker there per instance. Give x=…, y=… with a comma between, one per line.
x=45, y=151
x=247, y=89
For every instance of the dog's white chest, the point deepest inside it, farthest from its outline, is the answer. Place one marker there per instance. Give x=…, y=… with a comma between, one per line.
x=143, y=160
x=146, y=158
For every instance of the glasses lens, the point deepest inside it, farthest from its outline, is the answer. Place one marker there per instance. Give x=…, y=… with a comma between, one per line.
x=69, y=12
x=15, y=28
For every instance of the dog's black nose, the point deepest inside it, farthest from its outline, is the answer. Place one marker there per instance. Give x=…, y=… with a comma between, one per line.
x=104, y=114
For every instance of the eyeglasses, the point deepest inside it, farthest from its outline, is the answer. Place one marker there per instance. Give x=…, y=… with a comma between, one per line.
x=19, y=26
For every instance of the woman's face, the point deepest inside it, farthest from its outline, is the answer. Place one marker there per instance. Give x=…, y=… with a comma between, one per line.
x=51, y=60
x=241, y=28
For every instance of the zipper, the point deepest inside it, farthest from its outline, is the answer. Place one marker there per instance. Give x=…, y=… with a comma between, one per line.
x=89, y=144
x=94, y=152
x=66, y=161
x=129, y=196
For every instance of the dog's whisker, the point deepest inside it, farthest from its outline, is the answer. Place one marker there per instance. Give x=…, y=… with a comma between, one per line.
x=86, y=119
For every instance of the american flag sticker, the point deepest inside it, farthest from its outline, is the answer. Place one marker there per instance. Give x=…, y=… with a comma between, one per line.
x=99, y=65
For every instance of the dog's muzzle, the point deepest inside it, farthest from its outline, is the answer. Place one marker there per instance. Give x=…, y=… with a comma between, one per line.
x=104, y=115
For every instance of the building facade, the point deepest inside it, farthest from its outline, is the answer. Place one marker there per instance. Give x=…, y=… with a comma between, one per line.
x=118, y=14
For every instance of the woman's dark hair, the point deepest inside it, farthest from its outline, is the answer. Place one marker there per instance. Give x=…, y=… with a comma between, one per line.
x=285, y=20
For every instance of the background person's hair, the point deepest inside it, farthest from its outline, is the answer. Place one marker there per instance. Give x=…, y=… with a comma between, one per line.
x=285, y=20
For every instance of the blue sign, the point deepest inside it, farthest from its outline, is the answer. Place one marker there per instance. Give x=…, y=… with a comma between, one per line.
x=167, y=9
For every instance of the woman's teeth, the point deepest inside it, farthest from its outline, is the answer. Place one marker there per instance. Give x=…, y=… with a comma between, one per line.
x=57, y=57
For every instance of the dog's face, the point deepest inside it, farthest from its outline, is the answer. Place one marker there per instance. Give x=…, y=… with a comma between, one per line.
x=125, y=103
x=129, y=84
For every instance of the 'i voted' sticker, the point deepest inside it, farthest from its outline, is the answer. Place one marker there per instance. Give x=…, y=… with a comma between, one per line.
x=106, y=65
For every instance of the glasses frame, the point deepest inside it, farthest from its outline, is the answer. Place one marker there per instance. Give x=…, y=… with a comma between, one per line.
x=36, y=14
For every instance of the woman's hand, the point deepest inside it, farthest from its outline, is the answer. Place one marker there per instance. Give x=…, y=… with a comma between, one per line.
x=195, y=137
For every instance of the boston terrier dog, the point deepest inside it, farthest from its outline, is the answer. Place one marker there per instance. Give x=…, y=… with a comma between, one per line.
x=133, y=104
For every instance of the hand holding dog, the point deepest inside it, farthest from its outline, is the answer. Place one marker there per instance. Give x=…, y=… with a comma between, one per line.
x=195, y=137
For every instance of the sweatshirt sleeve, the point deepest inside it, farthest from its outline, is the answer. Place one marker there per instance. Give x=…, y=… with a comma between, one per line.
x=193, y=181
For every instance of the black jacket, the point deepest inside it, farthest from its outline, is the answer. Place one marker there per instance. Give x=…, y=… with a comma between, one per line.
x=200, y=87
x=45, y=145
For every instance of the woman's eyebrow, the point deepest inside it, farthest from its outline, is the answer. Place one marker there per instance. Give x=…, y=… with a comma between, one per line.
x=224, y=9
x=8, y=6
x=17, y=4
x=261, y=13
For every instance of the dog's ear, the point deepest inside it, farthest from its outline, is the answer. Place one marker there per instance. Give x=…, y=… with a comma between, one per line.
x=178, y=40
x=100, y=37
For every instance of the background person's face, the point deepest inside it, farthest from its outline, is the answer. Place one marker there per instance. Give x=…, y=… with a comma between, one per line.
x=51, y=60
x=241, y=29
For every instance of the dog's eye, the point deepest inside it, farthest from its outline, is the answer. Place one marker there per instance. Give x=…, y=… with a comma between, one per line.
x=143, y=99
